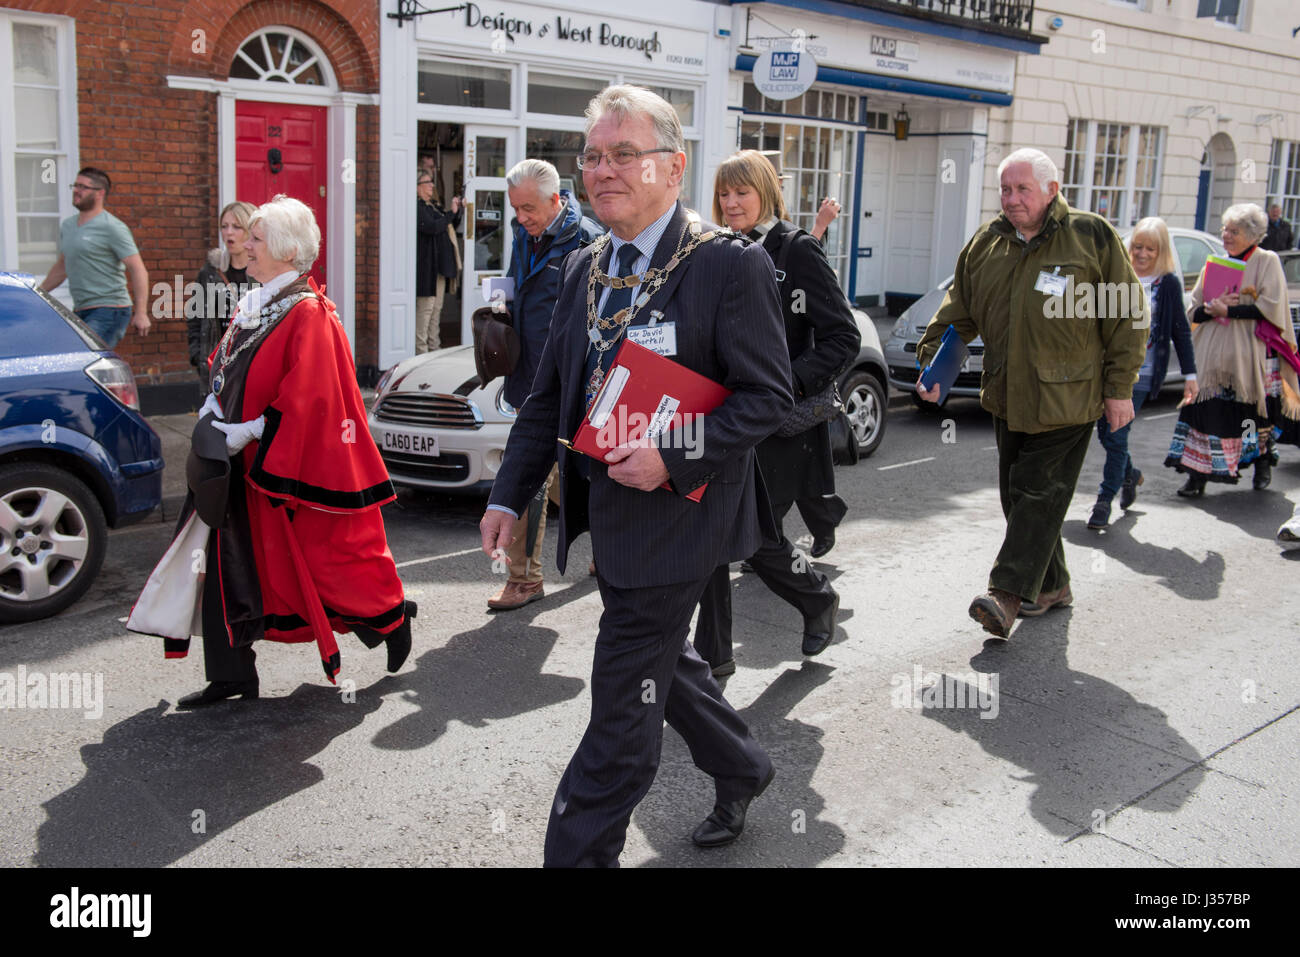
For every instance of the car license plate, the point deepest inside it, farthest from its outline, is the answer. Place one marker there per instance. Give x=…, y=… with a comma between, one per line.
x=973, y=364
x=412, y=443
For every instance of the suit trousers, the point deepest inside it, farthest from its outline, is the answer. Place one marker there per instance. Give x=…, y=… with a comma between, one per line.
x=644, y=672
x=221, y=662
x=789, y=574
x=1037, y=473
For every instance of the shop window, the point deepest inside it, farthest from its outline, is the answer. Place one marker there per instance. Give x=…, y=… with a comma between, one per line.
x=1113, y=169
x=1284, y=178
x=814, y=161
x=277, y=56
x=561, y=95
x=682, y=100
x=464, y=84
x=37, y=102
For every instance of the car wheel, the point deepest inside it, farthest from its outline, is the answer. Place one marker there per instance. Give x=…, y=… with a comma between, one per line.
x=52, y=540
x=864, y=404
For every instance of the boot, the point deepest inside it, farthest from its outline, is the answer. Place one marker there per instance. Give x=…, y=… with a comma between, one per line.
x=1263, y=469
x=1100, y=517
x=1195, y=486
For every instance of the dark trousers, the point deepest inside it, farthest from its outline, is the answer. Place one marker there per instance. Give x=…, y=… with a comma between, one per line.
x=220, y=661
x=822, y=513
x=789, y=575
x=644, y=672
x=1037, y=473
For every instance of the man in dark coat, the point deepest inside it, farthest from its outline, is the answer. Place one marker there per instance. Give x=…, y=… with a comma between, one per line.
x=435, y=259
x=548, y=226
x=713, y=299
x=1279, y=236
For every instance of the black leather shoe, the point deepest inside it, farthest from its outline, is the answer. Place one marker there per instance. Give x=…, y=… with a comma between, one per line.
x=1263, y=471
x=1195, y=486
x=818, y=632
x=822, y=544
x=728, y=667
x=726, y=822
x=219, y=691
x=1128, y=492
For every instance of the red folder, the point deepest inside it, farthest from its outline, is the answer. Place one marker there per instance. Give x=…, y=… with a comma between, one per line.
x=644, y=392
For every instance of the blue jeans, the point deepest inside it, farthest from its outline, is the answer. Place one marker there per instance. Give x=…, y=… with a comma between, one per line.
x=1118, y=464
x=107, y=322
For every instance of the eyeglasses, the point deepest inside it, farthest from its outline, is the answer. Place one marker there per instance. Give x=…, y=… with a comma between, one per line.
x=83, y=186
x=617, y=159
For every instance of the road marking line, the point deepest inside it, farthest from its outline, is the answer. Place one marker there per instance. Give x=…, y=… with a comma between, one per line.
x=1162, y=415
x=437, y=558
x=886, y=468
x=989, y=448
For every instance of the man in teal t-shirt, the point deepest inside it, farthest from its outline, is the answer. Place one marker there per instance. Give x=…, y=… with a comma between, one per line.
x=96, y=254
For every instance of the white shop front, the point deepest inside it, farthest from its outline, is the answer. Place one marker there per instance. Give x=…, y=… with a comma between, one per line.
x=487, y=84
x=909, y=204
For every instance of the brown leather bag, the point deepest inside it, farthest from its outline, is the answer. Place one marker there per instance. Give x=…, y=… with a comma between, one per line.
x=496, y=344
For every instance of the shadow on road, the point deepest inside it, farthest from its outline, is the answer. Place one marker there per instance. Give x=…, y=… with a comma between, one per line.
x=136, y=805
x=490, y=673
x=1172, y=568
x=782, y=828
x=1089, y=747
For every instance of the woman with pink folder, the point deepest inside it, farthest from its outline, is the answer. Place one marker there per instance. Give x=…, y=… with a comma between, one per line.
x=1245, y=392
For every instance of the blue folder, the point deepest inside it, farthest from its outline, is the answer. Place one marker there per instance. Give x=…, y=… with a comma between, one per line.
x=946, y=364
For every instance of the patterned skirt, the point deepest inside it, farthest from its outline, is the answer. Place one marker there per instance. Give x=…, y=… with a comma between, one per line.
x=1286, y=431
x=1217, y=437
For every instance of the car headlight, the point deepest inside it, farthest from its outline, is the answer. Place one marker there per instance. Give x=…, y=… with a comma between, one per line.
x=382, y=384
x=504, y=407
x=900, y=328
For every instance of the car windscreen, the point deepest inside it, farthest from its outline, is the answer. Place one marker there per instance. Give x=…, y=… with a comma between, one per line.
x=1291, y=266
x=33, y=324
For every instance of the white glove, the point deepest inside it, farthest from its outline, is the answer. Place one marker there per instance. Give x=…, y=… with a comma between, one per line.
x=239, y=434
x=1288, y=536
x=210, y=404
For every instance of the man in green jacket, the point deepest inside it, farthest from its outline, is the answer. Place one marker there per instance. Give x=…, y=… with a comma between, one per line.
x=1064, y=323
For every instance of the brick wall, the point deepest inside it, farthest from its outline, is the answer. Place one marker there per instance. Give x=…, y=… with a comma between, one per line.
x=160, y=144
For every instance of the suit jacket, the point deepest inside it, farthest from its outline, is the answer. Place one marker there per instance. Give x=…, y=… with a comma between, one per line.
x=821, y=338
x=723, y=299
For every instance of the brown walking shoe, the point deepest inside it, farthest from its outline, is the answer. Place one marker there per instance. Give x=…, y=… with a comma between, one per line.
x=516, y=595
x=1047, y=600
x=996, y=611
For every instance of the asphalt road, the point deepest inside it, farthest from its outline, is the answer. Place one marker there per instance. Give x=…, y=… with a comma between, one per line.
x=1153, y=723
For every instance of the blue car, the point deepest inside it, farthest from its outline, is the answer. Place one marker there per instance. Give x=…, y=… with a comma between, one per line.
x=76, y=456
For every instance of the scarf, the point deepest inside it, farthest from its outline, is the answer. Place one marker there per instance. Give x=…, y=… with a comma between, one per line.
x=1232, y=356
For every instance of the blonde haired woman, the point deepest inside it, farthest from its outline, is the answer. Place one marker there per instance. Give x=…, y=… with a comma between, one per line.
x=1151, y=253
x=1245, y=391
x=822, y=339
x=221, y=282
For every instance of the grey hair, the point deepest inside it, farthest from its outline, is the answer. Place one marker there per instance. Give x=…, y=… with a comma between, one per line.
x=546, y=176
x=1045, y=171
x=626, y=100
x=1247, y=217
x=289, y=230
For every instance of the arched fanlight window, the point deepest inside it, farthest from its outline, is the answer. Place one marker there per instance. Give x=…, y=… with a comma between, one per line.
x=278, y=55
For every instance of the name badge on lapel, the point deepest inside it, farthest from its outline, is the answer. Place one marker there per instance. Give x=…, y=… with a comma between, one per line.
x=660, y=337
x=1052, y=283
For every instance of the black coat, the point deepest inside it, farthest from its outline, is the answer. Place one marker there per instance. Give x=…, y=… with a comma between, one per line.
x=723, y=301
x=537, y=283
x=823, y=339
x=434, y=255
x=1279, y=236
x=1169, y=322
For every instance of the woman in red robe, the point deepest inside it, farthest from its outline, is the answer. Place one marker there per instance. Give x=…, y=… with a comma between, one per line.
x=292, y=547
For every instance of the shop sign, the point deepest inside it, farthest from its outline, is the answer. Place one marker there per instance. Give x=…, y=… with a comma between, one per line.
x=784, y=74
x=527, y=28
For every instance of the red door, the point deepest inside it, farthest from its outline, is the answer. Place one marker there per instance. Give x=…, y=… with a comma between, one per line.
x=298, y=133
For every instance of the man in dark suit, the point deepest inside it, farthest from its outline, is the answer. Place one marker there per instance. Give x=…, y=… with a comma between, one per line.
x=713, y=300
x=1279, y=235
